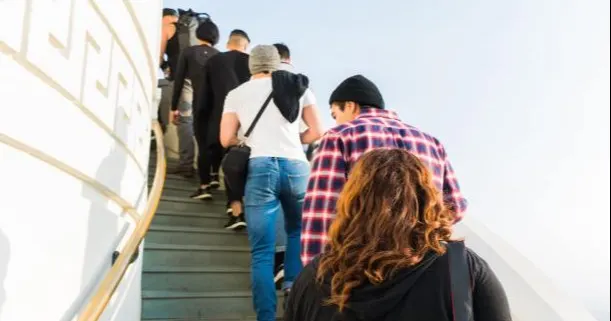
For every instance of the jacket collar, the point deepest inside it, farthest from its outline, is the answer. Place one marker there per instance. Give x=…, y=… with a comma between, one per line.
x=376, y=112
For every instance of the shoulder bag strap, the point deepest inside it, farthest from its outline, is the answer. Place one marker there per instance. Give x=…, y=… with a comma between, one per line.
x=462, y=301
x=254, y=122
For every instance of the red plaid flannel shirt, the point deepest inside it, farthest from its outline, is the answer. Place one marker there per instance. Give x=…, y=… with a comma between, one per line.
x=342, y=146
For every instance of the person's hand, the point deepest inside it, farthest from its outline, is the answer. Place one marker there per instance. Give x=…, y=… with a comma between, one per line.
x=174, y=115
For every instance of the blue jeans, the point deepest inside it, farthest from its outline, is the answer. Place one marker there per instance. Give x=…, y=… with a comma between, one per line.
x=273, y=183
x=280, y=232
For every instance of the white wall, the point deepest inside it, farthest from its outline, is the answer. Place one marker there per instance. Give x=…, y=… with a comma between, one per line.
x=77, y=87
x=532, y=295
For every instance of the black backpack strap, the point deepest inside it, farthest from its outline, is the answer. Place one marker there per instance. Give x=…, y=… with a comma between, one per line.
x=261, y=110
x=462, y=301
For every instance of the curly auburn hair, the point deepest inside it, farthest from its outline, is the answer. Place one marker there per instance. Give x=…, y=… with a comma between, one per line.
x=389, y=215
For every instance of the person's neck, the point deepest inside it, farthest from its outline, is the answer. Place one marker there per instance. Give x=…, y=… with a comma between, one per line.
x=231, y=48
x=205, y=43
x=261, y=75
x=167, y=21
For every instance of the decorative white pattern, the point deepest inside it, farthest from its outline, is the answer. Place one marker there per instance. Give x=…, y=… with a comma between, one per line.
x=96, y=54
x=77, y=93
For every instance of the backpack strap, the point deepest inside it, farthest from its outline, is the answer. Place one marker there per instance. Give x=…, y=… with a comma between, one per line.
x=261, y=110
x=462, y=301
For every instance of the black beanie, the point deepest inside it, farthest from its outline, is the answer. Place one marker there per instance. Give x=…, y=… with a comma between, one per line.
x=208, y=31
x=359, y=90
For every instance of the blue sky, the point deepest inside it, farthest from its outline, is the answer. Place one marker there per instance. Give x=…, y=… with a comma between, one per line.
x=517, y=90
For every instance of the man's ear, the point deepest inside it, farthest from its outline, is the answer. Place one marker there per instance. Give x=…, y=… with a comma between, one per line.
x=351, y=107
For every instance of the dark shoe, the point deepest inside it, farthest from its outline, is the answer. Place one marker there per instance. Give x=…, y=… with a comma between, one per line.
x=202, y=194
x=215, y=184
x=236, y=223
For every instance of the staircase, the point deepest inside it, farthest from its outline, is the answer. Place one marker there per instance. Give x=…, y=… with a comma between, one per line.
x=194, y=269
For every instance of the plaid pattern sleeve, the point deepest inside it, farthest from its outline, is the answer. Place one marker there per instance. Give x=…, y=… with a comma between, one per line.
x=452, y=195
x=327, y=179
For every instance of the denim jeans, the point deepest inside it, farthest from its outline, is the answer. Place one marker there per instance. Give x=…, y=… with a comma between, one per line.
x=186, y=143
x=184, y=129
x=280, y=232
x=273, y=183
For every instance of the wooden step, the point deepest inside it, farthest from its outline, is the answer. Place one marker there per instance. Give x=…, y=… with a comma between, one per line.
x=196, y=219
x=176, y=179
x=164, y=234
x=185, y=204
x=253, y=318
x=196, y=278
x=212, y=305
x=195, y=255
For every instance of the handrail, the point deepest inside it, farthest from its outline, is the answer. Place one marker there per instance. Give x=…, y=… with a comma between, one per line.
x=107, y=288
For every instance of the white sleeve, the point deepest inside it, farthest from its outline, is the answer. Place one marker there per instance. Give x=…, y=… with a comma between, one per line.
x=308, y=98
x=231, y=103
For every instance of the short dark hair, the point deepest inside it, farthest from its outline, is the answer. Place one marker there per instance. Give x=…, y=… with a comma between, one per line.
x=340, y=104
x=283, y=50
x=169, y=12
x=240, y=33
x=208, y=31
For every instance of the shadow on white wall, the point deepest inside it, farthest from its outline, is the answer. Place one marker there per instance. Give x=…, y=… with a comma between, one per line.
x=5, y=255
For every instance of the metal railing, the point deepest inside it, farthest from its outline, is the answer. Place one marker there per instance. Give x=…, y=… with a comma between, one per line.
x=105, y=290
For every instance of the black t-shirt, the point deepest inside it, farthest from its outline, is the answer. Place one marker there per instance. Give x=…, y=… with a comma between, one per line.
x=420, y=293
x=223, y=72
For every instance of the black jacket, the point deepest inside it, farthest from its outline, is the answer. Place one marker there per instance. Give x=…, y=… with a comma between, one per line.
x=420, y=293
x=287, y=90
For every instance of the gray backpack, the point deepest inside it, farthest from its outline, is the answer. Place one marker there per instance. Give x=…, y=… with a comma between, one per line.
x=187, y=23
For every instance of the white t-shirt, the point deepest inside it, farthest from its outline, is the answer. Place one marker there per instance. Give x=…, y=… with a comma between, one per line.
x=273, y=135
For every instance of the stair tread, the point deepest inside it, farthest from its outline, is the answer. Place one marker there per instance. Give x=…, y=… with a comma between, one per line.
x=157, y=294
x=196, y=214
x=156, y=246
x=187, y=182
x=178, y=187
x=191, y=188
x=191, y=229
x=151, y=175
x=185, y=199
x=186, y=188
x=194, y=269
x=247, y=318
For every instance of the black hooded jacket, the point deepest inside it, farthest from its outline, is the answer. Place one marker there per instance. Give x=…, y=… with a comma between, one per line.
x=287, y=90
x=419, y=293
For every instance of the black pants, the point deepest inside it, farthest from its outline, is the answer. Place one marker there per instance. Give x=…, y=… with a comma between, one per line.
x=210, y=154
x=208, y=160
